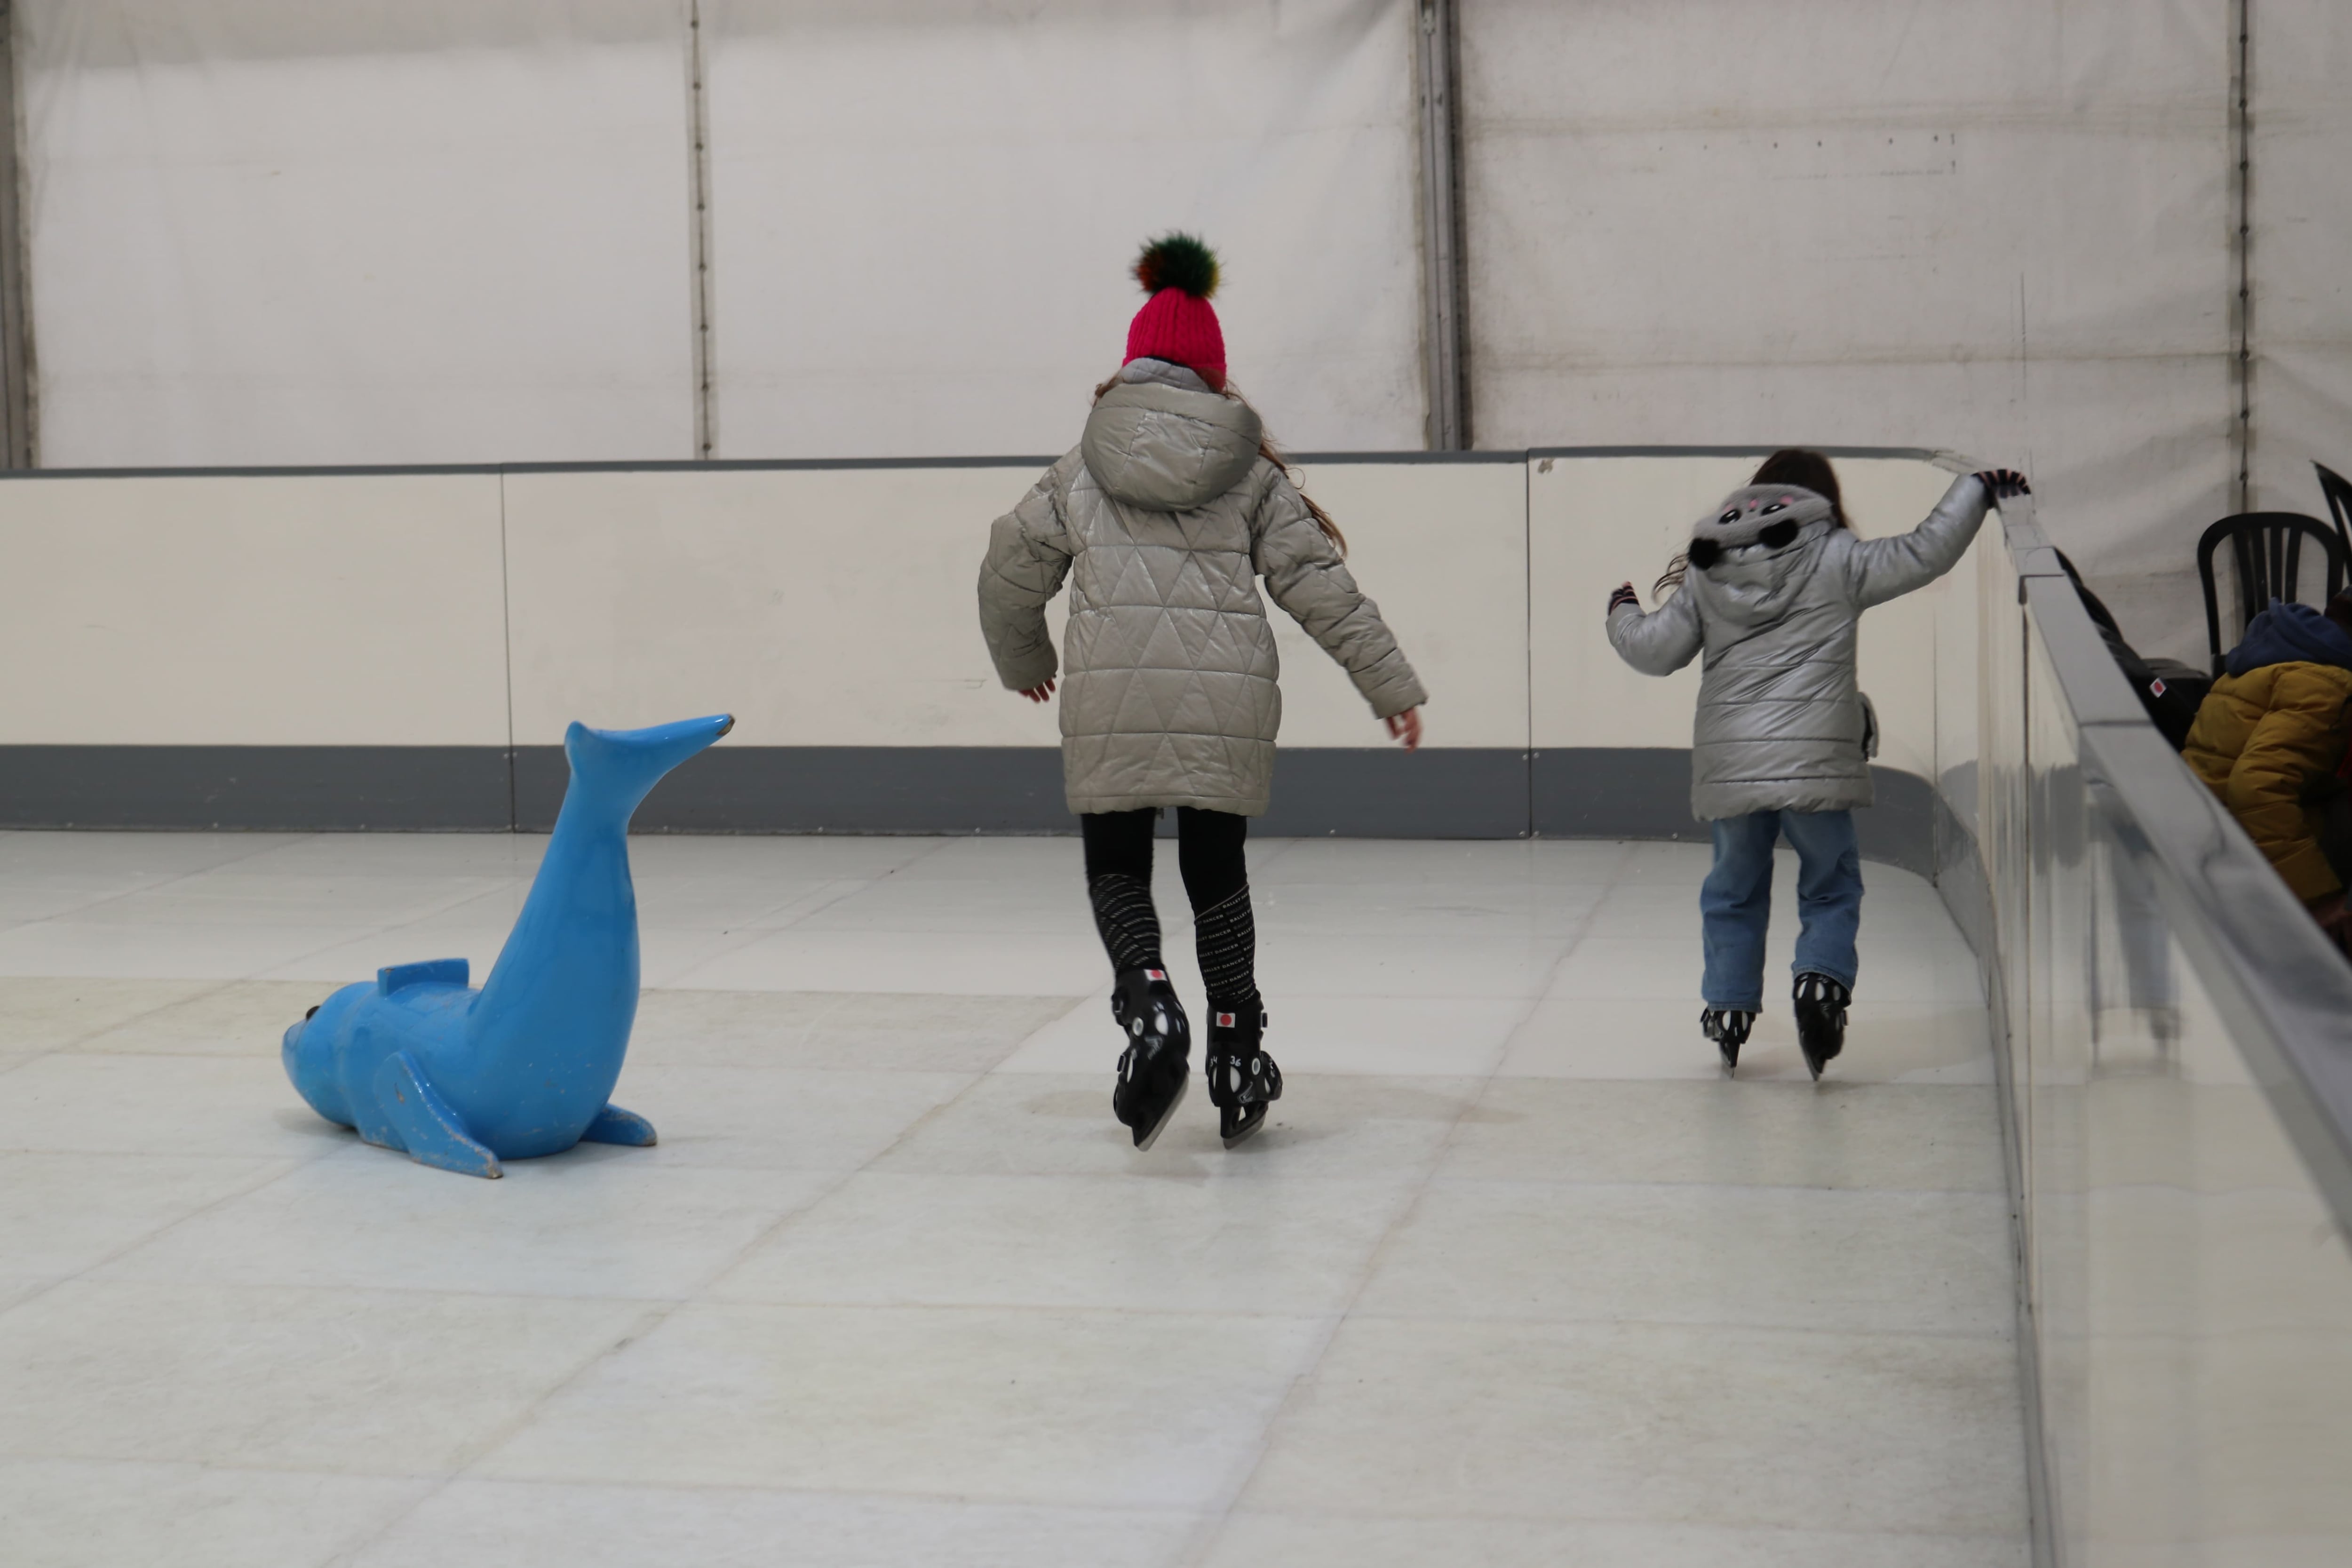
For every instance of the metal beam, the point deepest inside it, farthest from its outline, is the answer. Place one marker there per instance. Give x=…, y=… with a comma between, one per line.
x=705, y=398
x=2241, y=192
x=19, y=447
x=1444, y=295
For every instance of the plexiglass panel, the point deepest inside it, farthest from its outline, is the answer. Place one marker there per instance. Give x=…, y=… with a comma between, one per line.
x=2191, y=1289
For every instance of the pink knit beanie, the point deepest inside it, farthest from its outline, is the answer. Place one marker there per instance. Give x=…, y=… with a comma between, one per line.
x=1178, y=323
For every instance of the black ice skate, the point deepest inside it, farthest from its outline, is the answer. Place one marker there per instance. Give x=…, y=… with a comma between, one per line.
x=1820, y=1019
x=1729, y=1029
x=1243, y=1079
x=1156, y=1065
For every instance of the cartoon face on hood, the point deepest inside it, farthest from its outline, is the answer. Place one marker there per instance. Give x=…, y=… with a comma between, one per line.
x=1757, y=549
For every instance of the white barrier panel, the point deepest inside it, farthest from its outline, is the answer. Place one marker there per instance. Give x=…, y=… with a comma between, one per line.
x=1442, y=548
x=837, y=606
x=824, y=607
x=326, y=610
x=1593, y=523
x=821, y=607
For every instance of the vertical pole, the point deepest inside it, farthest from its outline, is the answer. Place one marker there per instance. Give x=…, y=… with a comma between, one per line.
x=706, y=403
x=1444, y=352
x=2241, y=145
x=18, y=447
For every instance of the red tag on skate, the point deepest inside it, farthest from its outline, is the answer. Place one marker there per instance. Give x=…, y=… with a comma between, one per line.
x=2155, y=687
x=1155, y=974
x=1224, y=1020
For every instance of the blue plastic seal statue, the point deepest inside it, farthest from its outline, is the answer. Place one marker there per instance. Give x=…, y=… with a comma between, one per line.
x=463, y=1079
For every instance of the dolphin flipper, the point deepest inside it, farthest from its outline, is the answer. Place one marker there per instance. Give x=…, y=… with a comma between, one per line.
x=614, y=1125
x=427, y=1127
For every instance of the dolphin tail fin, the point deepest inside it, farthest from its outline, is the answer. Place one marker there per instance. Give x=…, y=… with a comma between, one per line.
x=431, y=1133
x=612, y=769
x=614, y=1125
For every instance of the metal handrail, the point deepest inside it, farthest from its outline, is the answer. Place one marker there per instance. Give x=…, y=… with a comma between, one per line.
x=2282, y=989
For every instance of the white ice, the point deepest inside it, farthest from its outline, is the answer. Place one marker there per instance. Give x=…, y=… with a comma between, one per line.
x=1512, y=1277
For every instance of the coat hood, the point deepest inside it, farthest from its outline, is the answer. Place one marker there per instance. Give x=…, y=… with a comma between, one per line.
x=1752, y=556
x=2291, y=633
x=1161, y=440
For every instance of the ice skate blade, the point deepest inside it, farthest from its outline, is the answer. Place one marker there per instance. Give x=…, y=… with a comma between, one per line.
x=1253, y=1118
x=1144, y=1140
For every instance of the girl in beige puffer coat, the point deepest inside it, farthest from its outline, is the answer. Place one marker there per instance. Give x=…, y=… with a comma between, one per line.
x=1162, y=521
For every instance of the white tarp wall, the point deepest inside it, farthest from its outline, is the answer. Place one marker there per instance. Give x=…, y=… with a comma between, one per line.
x=405, y=231
x=921, y=212
x=271, y=231
x=2000, y=227
x=274, y=231
x=2301, y=257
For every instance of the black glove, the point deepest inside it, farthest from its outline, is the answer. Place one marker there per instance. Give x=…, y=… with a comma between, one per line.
x=2002, y=483
x=1623, y=594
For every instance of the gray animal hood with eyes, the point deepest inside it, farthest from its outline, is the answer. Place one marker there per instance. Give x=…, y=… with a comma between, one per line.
x=1773, y=598
x=1760, y=549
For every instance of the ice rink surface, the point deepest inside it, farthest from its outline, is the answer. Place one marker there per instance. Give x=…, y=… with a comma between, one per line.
x=1512, y=1277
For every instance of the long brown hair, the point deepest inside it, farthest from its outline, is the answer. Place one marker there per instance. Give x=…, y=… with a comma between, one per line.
x=1272, y=454
x=1797, y=465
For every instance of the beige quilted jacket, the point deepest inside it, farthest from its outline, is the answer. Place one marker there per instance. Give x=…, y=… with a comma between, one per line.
x=1162, y=521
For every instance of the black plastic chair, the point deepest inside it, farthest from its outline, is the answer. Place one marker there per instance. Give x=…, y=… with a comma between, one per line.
x=2267, y=549
x=2338, y=492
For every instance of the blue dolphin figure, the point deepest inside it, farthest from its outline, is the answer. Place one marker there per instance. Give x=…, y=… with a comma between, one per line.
x=461, y=1079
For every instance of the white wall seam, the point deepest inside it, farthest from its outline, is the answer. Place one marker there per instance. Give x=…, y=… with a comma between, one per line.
x=2242, y=301
x=697, y=126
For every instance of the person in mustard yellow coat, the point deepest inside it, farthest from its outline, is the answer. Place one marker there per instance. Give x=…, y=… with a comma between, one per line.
x=2272, y=730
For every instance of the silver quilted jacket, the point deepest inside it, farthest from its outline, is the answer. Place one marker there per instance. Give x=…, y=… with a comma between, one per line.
x=1162, y=521
x=1781, y=725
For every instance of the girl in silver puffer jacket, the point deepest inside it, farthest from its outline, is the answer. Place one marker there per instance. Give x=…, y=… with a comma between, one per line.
x=1163, y=522
x=1773, y=590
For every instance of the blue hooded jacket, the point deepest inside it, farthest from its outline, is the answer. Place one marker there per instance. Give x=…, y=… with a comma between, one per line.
x=2290, y=633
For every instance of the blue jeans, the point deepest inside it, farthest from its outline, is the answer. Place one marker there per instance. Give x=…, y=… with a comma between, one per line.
x=1737, y=902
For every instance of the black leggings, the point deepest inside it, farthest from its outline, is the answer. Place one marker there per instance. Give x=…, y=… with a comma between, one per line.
x=1210, y=852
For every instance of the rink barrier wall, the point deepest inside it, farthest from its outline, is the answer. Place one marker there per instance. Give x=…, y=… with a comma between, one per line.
x=1363, y=793
x=320, y=789
x=343, y=648
x=2173, y=1047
